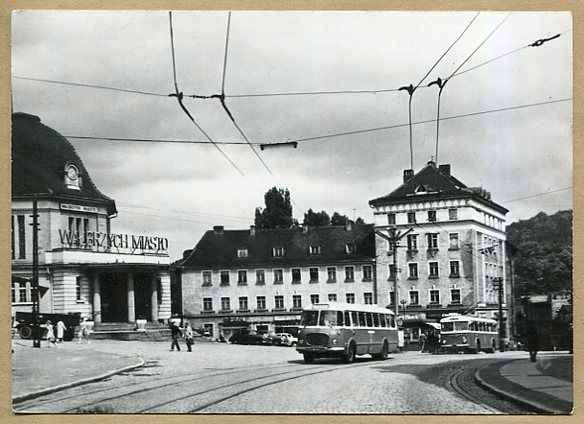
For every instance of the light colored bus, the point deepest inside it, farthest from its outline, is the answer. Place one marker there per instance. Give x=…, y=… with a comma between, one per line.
x=468, y=334
x=337, y=329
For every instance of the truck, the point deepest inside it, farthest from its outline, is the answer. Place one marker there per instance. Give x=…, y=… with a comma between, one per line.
x=24, y=323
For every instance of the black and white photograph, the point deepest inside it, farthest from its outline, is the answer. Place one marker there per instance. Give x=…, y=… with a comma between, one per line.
x=291, y=212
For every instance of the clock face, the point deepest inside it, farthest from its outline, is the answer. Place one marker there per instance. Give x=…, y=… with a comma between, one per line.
x=72, y=173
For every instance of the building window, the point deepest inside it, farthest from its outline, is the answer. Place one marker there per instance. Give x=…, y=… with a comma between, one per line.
x=391, y=271
x=332, y=297
x=431, y=216
x=296, y=276
x=78, y=282
x=452, y=214
x=242, y=253
x=260, y=277
x=349, y=274
x=350, y=297
x=350, y=248
x=278, y=276
x=432, y=241
x=454, y=269
x=207, y=304
x=278, y=252
x=392, y=298
x=414, y=297
x=261, y=303
x=413, y=270
x=332, y=274
x=367, y=273
x=207, y=278
x=297, y=301
x=225, y=305
x=21, y=238
x=72, y=179
x=411, y=217
x=279, y=302
x=242, y=278
x=21, y=292
x=224, y=278
x=434, y=297
x=433, y=269
x=453, y=241
x=412, y=241
x=455, y=296
x=243, y=304
x=368, y=298
x=314, y=298
x=313, y=275
x=314, y=250
x=390, y=219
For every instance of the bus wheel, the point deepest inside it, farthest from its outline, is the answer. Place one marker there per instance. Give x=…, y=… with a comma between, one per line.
x=478, y=348
x=350, y=355
x=383, y=354
x=25, y=332
x=308, y=358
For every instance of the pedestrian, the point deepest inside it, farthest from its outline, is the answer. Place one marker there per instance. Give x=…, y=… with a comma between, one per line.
x=176, y=332
x=84, y=330
x=60, y=331
x=422, y=341
x=189, y=337
x=50, y=334
x=532, y=342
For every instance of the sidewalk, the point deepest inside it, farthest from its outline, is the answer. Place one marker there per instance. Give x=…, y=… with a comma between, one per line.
x=545, y=386
x=39, y=371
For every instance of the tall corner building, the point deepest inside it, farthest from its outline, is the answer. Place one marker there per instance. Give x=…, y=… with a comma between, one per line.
x=83, y=267
x=451, y=254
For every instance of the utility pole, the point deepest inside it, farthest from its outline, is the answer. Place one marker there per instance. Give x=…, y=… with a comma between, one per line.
x=35, y=276
x=498, y=285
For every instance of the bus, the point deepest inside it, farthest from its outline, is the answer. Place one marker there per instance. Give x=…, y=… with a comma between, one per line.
x=336, y=329
x=468, y=334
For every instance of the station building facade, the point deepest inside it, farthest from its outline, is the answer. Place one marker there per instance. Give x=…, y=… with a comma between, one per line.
x=260, y=280
x=453, y=257
x=83, y=267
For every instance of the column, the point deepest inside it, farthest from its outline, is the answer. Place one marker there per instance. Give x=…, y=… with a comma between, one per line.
x=131, y=303
x=154, y=298
x=96, y=299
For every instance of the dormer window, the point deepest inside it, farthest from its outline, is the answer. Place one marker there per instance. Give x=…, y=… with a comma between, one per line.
x=242, y=253
x=278, y=252
x=422, y=188
x=350, y=248
x=72, y=178
x=314, y=250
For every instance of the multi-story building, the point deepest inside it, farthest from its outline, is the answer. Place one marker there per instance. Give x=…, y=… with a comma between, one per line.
x=261, y=279
x=83, y=267
x=451, y=254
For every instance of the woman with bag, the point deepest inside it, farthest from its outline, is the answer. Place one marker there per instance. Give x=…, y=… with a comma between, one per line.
x=189, y=337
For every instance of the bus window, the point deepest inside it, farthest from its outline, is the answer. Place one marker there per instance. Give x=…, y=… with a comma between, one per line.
x=391, y=321
x=347, y=318
x=383, y=320
x=461, y=326
x=447, y=326
x=355, y=319
x=369, y=318
x=330, y=318
x=375, y=320
x=309, y=318
x=362, y=322
x=472, y=326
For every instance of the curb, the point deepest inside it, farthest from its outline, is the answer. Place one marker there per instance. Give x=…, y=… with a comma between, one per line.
x=514, y=398
x=54, y=389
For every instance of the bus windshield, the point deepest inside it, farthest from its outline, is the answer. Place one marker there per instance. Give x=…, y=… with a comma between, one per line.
x=309, y=318
x=331, y=318
x=455, y=326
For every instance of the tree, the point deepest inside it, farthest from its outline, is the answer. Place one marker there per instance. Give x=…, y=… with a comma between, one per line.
x=338, y=219
x=278, y=210
x=316, y=219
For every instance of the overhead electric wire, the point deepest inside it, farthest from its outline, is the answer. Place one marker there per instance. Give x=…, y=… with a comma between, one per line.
x=538, y=195
x=155, y=140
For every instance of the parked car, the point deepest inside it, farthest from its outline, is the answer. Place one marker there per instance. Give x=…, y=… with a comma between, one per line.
x=247, y=339
x=287, y=339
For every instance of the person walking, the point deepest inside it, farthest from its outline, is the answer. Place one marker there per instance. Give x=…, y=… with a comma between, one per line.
x=50, y=334
x=60, y=331
x=532, y=342
x=189, y=337
x=176, y=332
x=84, y=330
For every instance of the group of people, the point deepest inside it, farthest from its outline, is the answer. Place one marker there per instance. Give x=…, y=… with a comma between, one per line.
x=61, y=328
x=429, y=341
x=177, y=331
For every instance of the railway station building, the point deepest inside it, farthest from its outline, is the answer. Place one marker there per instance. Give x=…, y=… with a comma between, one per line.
x=252, y=279
x=83, y=267
x=451, y=254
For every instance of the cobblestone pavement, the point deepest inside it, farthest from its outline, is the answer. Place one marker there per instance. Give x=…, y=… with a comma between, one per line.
x=224, y=378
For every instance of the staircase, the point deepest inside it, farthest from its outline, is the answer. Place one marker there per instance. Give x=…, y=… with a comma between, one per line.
x=154, y=331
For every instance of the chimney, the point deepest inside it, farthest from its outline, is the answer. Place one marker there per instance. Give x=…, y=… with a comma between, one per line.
x=445, y=169
x=408, y=173
x=252, y=230
x=218, y=229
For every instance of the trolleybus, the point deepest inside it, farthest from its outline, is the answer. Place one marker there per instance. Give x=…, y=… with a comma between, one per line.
x=468, y=334
x=344, y=330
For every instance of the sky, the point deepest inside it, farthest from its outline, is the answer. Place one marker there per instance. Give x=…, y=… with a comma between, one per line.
x=522, y=155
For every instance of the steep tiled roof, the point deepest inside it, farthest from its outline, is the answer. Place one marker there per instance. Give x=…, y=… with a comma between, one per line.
x=219, y=249
x=433, y=183
x=39, y=156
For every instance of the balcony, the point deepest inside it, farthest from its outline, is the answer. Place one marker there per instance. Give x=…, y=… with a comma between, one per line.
x=279, y=310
